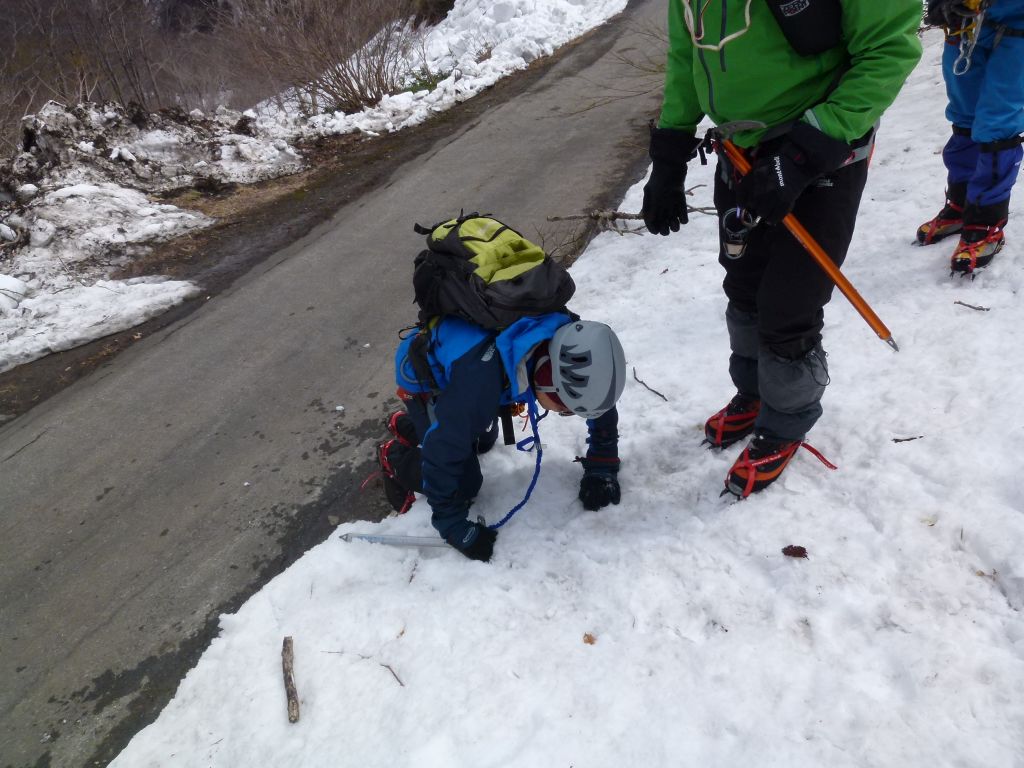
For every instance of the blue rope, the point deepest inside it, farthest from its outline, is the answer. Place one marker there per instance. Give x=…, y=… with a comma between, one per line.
x=525, y=445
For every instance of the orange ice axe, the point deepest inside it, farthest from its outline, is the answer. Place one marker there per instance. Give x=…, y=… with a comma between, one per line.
x=817, y=253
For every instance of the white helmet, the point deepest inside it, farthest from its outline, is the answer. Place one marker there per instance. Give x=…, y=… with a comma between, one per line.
x=588, y=367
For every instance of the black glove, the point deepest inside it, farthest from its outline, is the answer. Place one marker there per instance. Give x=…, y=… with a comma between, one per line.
x=475, y=541
x=780, y=175
x=948, y=13
x=664, y=206
x=598, y=490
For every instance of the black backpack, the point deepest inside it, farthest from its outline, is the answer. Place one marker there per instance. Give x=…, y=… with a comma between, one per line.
x=483, y=271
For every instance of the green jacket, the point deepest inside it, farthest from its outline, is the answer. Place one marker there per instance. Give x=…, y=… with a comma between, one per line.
x=758, y=76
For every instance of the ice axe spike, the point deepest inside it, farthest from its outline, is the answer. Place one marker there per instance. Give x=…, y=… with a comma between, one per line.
x=723, y=134
x=395, y=541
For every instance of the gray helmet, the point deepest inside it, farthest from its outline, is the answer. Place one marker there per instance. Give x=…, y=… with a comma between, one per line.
x=588, y=367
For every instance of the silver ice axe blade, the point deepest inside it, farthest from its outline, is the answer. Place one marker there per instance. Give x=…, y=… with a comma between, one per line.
x=395, y=541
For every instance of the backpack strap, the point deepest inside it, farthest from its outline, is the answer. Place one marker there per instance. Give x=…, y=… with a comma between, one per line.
x=419, y=229
x=508, y=433
x=811, y=26
x=419, y=358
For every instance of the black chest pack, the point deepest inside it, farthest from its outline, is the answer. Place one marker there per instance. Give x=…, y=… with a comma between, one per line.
x=811, y=26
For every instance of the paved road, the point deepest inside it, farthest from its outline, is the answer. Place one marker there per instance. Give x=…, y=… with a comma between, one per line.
x=148, y=498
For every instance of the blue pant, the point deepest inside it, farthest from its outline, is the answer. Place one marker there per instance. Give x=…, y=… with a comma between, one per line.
x=988, y=102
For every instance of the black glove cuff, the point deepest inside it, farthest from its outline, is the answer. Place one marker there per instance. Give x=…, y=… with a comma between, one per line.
x=823, y=152
x=482, y=545
x=673, y=147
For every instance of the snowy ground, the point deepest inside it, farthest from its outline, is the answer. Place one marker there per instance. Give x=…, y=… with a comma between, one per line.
x=80, y=212
x=671, y=629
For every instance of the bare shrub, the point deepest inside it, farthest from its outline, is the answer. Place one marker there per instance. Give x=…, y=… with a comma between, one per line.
x=334, y=54
x=152, y=54
x=98, y=51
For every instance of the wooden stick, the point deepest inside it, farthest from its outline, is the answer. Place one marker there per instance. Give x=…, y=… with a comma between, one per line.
x=287, y=663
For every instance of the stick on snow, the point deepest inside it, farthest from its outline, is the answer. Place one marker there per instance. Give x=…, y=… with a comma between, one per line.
x=288, y=664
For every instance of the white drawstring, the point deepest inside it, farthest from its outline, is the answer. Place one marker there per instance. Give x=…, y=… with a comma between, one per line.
x=690, y=21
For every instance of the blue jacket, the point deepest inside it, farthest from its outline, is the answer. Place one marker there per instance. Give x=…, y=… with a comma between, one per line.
x=1008, y=12
x=476, y=371
x=987, y=96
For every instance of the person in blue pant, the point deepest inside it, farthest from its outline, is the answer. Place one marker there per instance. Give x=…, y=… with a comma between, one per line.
x=983, y=67
x=561, y=363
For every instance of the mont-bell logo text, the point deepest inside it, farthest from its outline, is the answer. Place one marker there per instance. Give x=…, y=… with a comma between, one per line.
x=778, y=171
x=794, y=7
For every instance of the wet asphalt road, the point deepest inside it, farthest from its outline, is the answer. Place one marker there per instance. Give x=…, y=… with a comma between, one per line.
x=160, y=491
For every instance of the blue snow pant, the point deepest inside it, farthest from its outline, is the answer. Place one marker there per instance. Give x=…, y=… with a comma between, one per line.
x=407, y=461
x=986, y=108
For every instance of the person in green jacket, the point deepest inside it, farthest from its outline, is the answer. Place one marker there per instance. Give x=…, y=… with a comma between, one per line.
x=818, y=74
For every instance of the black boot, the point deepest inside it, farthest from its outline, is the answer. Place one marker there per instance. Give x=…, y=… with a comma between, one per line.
x=732, y=423
x=950, y=219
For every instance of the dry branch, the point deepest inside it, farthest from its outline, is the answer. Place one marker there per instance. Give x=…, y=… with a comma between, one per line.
x=608, y=220
x=287, y=663
x=394, y=674
x=649, y=389
x=973, y=306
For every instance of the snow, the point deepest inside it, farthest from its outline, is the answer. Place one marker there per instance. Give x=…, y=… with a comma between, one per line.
x=77, y=236
x=671, y=629
x=71, y=247
x=476, y=45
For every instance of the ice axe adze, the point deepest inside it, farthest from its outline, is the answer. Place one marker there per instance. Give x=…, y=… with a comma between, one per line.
x=721, y=134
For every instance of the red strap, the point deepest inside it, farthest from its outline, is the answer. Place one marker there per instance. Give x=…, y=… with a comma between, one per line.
x=751, y=465
x=820, y=458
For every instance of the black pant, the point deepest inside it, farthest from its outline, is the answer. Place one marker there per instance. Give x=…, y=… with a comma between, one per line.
x=775, y=278
x=777, y=293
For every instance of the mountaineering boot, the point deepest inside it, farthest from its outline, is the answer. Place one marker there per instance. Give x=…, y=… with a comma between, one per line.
x=397, y=495
x=981, y=238
x=950, y=219
x=732, y=423
x=401, y=426
x=978, y=245
x=761, y=464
